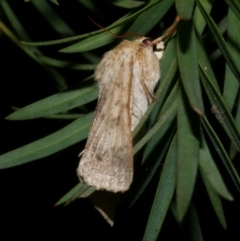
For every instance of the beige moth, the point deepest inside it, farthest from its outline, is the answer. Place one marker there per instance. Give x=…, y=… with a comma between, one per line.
x=127, y=76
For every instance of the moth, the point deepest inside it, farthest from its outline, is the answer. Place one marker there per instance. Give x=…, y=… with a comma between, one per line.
x=127, y=76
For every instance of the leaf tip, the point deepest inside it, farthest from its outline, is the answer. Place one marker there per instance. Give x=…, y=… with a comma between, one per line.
x=230, y=198
x=198, y=111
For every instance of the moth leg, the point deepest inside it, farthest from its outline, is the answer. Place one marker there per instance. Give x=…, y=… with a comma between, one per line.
x=148, y=92
x=148, y=72
x=81, y=153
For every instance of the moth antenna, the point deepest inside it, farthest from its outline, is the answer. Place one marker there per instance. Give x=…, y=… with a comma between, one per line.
x=158, y=40
x=173, y=27
x=170, y=31
x=114, y=35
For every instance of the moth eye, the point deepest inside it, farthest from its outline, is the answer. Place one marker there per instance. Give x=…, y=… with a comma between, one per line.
x=147, y=41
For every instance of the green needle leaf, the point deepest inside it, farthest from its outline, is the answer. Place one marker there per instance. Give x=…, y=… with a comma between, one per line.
x=221, y=152
x=164, y=194
x=193, y=224
x=234, y=66
x=209, y=169
x=127, y=3
x=188, y=65
x=69, y=135
x=235, y=7
x=231, y=85
x=80, y=190
x=185, y=8
x=57, y=103
x=188, y=148
x=215, y=200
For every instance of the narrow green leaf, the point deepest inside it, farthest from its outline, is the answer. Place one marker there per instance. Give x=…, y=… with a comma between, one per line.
x=223, y=25
x=67, y=136
x=210, y=170
x=215, y=55
x=149, y=167
x=90, y=6
x=65, y=64
x=15, y=39
x=206, y=37
x=30, y=51
x=84, y=192
x=87, y=192
x=55, y=2
x=16, y=24
x=220, y=109
x=173, y=208
x=188, y=65
x=193, y=224
x=188, y=149
x=235, y=7
x=234, y=66
x=95, y=40
x=221, y=152
x=204, y=62
x=127, y=3
x=198, y=19
x=148, y=19
x=52, y=18
x=92, y=42
x=119, y=22
x=17, y=28
x=91, y=57
x=215, y=200
x=143, y=24
x=64, y=116
x=60, y=81
x=231, y=85
x=185, y=8
x=164, y=194
x=70, y=194
x=59, y=102
x=233, y=150
x=74, y=193
x=192, y=221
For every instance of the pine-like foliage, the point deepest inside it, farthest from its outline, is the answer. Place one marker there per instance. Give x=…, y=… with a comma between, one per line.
x=192, y=129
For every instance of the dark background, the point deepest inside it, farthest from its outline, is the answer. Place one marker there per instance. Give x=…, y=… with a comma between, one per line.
x=29, y=192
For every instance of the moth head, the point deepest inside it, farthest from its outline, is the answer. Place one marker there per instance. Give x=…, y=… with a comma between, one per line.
x=157, y=46
x=146, y=41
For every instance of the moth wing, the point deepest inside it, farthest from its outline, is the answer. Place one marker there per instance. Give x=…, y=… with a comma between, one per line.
x=107, y=161
x=146, y=74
